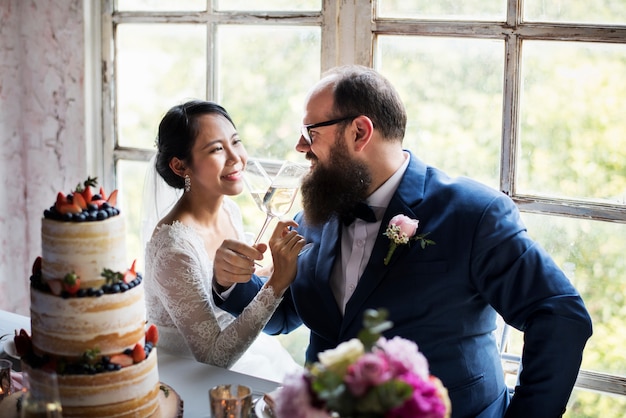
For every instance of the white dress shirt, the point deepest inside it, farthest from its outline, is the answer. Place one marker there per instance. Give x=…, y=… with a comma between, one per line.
x=358, y=238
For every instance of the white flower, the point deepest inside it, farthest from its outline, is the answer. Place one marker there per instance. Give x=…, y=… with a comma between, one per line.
x=338, y=359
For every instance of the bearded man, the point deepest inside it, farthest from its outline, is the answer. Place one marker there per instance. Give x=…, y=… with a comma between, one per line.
x=478, y=262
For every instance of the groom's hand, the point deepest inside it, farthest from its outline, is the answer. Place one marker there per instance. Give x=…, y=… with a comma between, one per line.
x=286, y=245
x=235, y=263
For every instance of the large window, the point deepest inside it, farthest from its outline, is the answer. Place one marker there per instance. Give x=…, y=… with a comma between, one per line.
x=526, y=96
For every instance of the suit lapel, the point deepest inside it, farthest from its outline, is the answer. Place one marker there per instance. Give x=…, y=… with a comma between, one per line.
x=328, y=251
x=323, y=268
x=409, y=193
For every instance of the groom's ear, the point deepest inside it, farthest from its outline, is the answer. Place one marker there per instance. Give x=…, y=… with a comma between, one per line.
x=178, y=166
x=363, y=132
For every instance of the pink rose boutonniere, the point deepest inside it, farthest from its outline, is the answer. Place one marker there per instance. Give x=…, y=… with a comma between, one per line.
x=402, y=230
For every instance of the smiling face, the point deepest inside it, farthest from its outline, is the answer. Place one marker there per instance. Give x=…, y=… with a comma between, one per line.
x=217, y=158
x=337, y=180
x=335, y=186
x=318, y=108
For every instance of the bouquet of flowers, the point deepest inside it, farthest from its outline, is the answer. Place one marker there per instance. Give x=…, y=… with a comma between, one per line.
x=368, y=377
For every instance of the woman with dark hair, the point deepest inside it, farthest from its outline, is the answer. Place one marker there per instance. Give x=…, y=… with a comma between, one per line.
x=199, y=151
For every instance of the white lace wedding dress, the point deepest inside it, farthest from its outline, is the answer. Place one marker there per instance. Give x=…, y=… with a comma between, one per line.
x=179, y=301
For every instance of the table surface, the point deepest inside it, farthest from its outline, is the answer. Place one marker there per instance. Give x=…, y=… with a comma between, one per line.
x=190, y=379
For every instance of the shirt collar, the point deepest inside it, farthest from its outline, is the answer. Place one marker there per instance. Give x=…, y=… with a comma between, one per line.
x=382, y=196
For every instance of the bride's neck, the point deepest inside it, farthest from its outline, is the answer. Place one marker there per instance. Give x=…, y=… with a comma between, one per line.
x=201, y=210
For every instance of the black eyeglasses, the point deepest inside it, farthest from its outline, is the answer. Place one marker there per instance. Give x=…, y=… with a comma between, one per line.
x=306, y=129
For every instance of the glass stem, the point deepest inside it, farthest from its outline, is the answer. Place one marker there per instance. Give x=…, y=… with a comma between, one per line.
x=268, y=219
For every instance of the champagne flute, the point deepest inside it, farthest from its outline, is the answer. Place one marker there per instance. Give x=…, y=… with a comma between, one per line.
x=257, y=181
x=41, y=397
x=276, y=196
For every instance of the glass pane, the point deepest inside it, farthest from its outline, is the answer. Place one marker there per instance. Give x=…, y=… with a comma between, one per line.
x=446, y=9
x=158, y=66
x=452, y=89
x=592, y=255
x=296, y=343
x=160, y=5
x=588, y=404
x=264, y=92
x=273, y=5
x=130, y=179
x=264, y=75
x=580, y=11
x=573, y=130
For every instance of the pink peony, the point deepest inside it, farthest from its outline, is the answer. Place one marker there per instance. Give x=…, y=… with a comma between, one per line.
x=403, y=356
x=369, y=370
x=294, y=399
x=407, y=225
x=426, y=401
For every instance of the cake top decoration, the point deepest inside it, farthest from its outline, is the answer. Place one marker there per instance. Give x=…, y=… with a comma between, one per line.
x=82, y=204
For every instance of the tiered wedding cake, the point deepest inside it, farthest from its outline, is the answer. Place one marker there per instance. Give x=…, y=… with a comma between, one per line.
x=88, y=319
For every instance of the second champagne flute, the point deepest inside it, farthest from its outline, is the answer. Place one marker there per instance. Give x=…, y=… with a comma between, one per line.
x=281, y=193
x=257, y=181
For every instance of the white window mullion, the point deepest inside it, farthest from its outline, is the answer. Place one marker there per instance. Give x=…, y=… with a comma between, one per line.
x=94, y=145
x=364, y=36
x=211, y=65
x=330, y=43
x=107, y=74
x=510, y=114
x=346, y=33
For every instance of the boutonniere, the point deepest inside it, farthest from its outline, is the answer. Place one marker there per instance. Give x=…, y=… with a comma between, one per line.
x=402, y=230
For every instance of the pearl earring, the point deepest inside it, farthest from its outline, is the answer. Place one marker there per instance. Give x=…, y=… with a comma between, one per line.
x=187, y=183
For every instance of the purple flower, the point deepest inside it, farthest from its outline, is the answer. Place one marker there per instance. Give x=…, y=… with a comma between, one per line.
x=403, y=356
x=426, y=401
x=369, y=370
x=294, y=399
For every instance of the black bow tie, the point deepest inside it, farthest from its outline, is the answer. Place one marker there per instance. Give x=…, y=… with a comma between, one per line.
x=360, y=210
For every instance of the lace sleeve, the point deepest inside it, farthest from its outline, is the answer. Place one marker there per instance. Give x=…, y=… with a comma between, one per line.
x=178, y=275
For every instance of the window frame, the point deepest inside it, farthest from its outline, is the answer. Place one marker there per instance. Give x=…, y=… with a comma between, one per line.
x=513, y=32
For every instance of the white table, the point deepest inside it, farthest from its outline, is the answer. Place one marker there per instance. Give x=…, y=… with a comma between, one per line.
x=190, y=379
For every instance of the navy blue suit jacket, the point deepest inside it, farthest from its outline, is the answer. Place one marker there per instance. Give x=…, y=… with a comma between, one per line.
x=445, y=297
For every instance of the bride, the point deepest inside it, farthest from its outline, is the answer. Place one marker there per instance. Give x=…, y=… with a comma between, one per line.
x=200, y=152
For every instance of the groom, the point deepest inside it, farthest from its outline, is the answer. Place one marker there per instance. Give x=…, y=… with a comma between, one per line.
x=444, y=295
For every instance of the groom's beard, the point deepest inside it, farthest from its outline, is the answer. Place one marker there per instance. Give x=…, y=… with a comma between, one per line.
x=334, y=187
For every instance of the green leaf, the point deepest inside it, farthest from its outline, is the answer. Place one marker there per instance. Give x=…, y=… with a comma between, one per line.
x=111, y=276
x=327, y=384
x=91, y=355
x=374, y=324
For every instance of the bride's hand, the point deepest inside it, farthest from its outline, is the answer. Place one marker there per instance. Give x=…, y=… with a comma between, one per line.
x=235, y=262
x=285, y=245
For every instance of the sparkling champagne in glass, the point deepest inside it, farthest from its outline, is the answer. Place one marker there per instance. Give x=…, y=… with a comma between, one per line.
x=257, y=181
x=278, y=196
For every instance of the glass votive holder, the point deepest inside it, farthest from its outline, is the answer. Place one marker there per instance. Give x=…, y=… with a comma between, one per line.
x=6, y=386
x=40, y=396
x=230, y=401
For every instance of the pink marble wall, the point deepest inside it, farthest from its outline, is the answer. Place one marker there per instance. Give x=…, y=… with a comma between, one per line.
x=13, y=188
x=42, y=147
